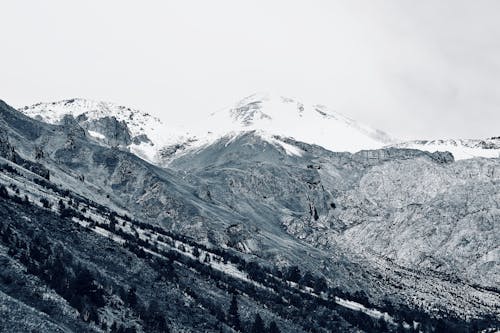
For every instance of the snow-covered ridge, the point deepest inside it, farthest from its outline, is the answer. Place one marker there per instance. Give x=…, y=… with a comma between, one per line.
x=460, y=148
x=269, y=116
x=151, y=132
x=137, y=121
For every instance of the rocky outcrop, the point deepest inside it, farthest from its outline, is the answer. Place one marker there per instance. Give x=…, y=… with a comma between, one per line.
x=114, y=133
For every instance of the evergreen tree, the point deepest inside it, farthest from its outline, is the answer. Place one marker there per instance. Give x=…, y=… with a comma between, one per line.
x=382, y=325
x=255, y=271
x=258, y=325
x=273, y=327
x=154, y=318
x=85, y=289
x=131, y=297
x=293, y=274
x=3, y=192
x=112, y=222
x=233, y=316
x=45, y=202
x=83, y=282
x=207, y=258
x=307, y=280
x=320, y=284
x=61, y=205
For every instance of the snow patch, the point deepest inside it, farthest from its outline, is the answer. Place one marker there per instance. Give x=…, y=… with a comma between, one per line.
x=359, y=307
x=96, y=135
x=290, y=149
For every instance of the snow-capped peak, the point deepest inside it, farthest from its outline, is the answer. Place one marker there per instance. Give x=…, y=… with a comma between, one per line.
x=290, y=117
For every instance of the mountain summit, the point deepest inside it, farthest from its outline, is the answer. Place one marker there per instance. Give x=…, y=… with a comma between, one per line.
x=310, y=123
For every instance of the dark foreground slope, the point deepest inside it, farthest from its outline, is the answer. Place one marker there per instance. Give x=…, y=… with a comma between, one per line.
x=83, y=268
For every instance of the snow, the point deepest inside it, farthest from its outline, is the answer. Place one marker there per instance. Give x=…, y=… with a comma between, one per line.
x=145, y=151
x=374, y=313
x=288, y=117
x=359, y=307
x=461, y=149
x=96, y=135
x=229, y=269
x=108, y=234
x=289, y=148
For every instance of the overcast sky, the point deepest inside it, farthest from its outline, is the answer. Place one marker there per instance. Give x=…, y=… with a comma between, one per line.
x=416, y=69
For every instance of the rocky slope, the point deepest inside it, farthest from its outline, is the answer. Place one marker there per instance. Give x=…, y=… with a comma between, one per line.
x=402, y=226
x=351, y=178
x=420, y=211
x=94, y=239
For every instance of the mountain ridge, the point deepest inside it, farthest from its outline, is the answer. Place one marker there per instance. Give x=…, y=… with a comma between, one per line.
x=288, y=117
x=269, y=115
x=460, y=148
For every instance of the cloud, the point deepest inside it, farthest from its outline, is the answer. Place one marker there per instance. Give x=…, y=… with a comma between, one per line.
x=417, y=69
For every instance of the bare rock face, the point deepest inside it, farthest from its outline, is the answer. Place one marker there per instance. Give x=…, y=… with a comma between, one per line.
x=440, y=217
x=8, y=152
x=420, y=210
x=114, y=132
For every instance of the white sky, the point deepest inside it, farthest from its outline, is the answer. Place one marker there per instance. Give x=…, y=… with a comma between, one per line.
x=416, y=69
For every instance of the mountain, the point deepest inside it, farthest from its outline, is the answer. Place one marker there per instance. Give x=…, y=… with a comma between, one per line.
x=258, y=129
x=95, y=239
x=268, y=115
x=378, y=240
x=410, y=207
x=309, y=123
x=461, y=148
x=112, y=124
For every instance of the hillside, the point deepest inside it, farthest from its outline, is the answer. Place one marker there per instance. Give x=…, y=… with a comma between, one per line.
x=345, y=236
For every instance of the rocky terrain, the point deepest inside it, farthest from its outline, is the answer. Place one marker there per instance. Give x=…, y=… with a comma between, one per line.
x=390, y=239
